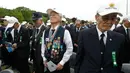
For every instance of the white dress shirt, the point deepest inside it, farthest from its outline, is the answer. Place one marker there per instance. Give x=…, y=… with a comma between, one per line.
x=69, y=47
x=12, y=32
x=99, y=35
x=113, y=26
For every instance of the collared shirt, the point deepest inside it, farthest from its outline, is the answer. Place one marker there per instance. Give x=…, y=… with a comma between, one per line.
x=125, y=28
x=99, y=35
x=40, y=27
x=19, y=28
x=12, y=32
x=113, y=26
x=69, y=47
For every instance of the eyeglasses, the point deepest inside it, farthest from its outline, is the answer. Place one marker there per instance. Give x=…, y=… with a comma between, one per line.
x=109, y=17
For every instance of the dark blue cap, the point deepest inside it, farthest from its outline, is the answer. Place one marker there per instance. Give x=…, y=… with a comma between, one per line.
x=36, y=15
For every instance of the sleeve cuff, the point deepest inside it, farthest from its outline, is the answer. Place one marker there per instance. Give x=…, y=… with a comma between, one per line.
x=44, y=59
x=62, y=63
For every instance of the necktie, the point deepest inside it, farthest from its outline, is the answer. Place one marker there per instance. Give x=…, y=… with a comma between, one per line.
x=102, y=46
x=127, y=33
x=53, y=30
x=15, y=35
x=77, y=29
x=102, y=42
x=37, y=31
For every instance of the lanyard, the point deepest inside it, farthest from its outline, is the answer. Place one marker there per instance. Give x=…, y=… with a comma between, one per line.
x=51, y=36
x=114, y=58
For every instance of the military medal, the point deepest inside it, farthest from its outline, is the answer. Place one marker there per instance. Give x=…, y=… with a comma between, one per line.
x=61, y=47
x=114, y=58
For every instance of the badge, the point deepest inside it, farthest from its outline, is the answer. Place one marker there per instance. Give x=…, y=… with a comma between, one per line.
x=20, y=38
x=47, y=39
x=41, y=40
x=114, y=58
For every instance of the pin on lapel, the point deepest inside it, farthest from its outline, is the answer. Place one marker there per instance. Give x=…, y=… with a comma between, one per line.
x=110, y=39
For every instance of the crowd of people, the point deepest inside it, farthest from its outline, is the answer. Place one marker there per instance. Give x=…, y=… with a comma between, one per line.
x=61, y=47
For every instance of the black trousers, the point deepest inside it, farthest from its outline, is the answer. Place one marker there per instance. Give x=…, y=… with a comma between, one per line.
x=66, y=69
x=38, y=62
x=20, y=64
x=38, y=66
x=5, y=56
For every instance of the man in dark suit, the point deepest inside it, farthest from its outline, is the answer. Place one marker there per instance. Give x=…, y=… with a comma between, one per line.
x=20, y=47
x=124, y=29
x=100, y=50
x=75, y=33
x=1, y=44
x=36, y=42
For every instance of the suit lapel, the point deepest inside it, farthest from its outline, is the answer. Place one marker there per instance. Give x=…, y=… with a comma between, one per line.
x=12, y=34
x=109, y=39
x=96, y=45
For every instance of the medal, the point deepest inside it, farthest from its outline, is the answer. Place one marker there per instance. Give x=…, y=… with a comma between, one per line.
x=61, y=47
x=55, y=51
x=58, y=38
x=114, y=58
x=35, y=40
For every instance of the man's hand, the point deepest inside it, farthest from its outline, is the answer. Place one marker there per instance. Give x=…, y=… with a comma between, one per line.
x=1, y=45
x=14, y=45
x=45, y=63
x=59, y=67
x=75, y=45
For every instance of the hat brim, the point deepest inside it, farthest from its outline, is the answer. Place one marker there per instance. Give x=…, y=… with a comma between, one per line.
x=109, y=12
x=49, y=11
x=129, y=20
x=10, y=25
x=3, y=19
x=36, y=18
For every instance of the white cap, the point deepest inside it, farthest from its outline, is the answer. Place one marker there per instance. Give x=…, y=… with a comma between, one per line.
x=6, y=18
x=49, y=11
x=23, y=23
x=11, y=21
x=105, y=10
x=63, y=19
x=127, y=18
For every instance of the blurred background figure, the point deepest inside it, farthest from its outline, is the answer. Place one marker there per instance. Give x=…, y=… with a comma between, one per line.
x=125, y=30
x=116, y=24
x=36, y=39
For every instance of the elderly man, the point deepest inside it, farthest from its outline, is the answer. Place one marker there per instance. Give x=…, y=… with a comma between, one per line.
x=56, y=45
x=100, y=50
x=20, y=47
x=36, y=42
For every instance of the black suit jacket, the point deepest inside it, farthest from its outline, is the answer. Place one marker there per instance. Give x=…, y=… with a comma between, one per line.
x=75, y=35
x=36, y=46
x=121, y=30
x=88, y=58
x=22, y=50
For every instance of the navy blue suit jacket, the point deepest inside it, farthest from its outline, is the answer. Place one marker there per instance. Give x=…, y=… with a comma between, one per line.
x=88, y=58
